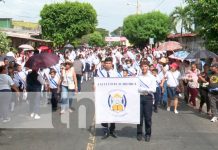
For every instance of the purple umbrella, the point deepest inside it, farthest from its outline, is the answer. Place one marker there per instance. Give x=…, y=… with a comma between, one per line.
x=42, y=60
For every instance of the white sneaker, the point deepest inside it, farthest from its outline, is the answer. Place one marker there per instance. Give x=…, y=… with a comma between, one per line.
x=32, y=115
x=62, y=111
x=176, y=112
x=37, y=116
x=214, y=119
x=168, y=108
x=6, y=120
x=70, y=110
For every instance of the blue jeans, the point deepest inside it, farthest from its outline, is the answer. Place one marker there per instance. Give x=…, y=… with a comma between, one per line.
x=157, y=97
x=164, y=95
x=66, y=97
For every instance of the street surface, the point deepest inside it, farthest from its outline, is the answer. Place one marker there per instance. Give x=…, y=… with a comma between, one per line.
x=188, y=130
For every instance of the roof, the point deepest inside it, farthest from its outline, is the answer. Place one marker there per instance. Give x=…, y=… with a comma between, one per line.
x=172, y=36
x=25, y=36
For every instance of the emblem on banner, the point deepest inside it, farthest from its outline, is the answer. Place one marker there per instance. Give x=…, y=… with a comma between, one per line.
x=117, y=101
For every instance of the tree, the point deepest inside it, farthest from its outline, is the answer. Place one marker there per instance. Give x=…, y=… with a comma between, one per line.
x=96, y=39
x=117, y=32
x=139, y=28
x=63, y=22
x=93, y=39
x=182, y=16
x=103, y=32
x=206, y=20
x=4, y=43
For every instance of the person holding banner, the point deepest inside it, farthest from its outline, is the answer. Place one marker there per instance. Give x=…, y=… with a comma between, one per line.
x=146, y=90
x=108, y=72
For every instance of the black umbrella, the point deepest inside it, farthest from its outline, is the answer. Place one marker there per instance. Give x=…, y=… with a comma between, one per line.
x=201, y=54
x=68, y=46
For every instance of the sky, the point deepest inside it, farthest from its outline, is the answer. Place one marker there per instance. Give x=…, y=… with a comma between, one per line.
x=111, y=13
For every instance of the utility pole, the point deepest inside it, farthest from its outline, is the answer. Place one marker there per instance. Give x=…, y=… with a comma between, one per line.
x=137, y=7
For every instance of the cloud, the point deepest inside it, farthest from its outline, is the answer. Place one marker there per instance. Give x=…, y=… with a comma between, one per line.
x=110, y=12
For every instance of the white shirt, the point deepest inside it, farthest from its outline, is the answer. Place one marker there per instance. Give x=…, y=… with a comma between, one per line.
x=173, y=78
x=147, y=83
x=53, y=82
x=5, y=82
x=103, y=73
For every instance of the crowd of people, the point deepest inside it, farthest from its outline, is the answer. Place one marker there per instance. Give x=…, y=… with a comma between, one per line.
x=173, y=79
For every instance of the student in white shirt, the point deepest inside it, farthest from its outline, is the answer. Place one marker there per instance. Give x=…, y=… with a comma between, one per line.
x=53, y=80
x=147, y=89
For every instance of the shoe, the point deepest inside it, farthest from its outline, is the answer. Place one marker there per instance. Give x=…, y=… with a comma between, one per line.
x=155, y=110
x=70, y=110
x=214, y=119
x=37, y=116
x=168, y=108
x=62, y=111
x=139, y=137
x=105, y=136
x=113, y=134
x=147, y=138
x=6, y=120
x=32, y=115
x=176, y=111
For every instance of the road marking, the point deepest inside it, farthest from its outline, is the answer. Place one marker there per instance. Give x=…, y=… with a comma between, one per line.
x=92, y=138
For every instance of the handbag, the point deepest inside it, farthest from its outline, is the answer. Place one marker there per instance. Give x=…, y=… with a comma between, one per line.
x=178, y=88
x=71, y=86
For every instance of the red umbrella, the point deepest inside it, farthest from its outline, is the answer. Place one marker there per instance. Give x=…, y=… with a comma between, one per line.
x=43, y=48
x=169, y=46
x=42, y=60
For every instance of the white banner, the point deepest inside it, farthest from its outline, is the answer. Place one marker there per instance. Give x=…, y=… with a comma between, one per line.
x=117, y=100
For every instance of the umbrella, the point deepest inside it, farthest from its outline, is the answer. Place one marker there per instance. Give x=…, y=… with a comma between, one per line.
x=169, y=46
x=42, y=60
x=201, y=54
x=26, y=47
x=180, y=55
x=43, y=48
x=10, y=54
x=9, y=58
x=68, y=46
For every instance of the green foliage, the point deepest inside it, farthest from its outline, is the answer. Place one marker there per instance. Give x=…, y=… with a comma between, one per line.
x=93, y=39
x=117, y=32
x=103, y=32
x=206, y=19
x=62, y=22
x=96, y=39
x=4, y=43
x=182, y=16
x=139, y=28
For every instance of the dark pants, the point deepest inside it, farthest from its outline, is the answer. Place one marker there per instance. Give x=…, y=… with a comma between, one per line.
x=157, y=97
x=79, y=77
x=108, y=129
x=186, y=93
x=194, y=93
x=54, y=98
x=146, y=103
x=204, y=98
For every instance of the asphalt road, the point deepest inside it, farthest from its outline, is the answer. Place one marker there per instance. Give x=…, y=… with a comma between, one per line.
x=188, y=130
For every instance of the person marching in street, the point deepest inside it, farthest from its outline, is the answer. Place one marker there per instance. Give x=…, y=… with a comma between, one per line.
x=147, y=89
x=203, y=80
x=213, y=91
x=172, y=78
x=157, y=94
x=53, y=79
x=68, y=82
x=108, y=72
x=78, y=66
